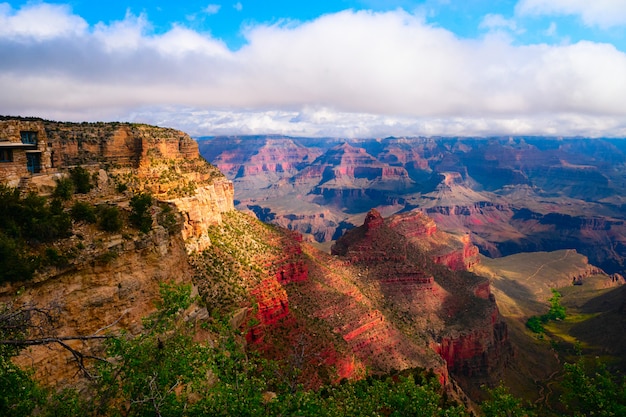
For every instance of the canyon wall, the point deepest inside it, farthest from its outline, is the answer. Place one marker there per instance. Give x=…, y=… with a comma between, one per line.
x=110, y=280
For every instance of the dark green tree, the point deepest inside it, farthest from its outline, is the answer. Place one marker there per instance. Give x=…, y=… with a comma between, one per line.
x=140, y=215
x=503, y=404
x=64, y=189
x=109, y=218
x=81, y=179
x=595, y=392
x=83, y=211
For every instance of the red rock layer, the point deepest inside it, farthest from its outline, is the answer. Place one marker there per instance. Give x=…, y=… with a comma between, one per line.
x=398, y=255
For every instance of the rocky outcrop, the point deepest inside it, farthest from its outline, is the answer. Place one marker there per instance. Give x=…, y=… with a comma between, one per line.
x=111, y=287
x=202, y=210
x=165, y=162
x=480, y=353
x=399, y=256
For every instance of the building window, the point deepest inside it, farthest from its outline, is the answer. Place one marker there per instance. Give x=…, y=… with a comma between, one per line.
x=29, y=138
x=6, y=155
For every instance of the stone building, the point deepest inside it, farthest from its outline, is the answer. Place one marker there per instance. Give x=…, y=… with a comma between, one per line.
x=35, y=152
x=24, y=150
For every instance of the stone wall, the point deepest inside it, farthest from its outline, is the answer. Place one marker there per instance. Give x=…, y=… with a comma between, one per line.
x=10, y=139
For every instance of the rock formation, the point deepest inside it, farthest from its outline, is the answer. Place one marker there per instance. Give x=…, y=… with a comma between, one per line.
x=510, y=194
x=398, y=256
x=111, y=280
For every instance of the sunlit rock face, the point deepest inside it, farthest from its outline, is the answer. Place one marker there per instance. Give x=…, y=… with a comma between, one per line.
x=399, y=256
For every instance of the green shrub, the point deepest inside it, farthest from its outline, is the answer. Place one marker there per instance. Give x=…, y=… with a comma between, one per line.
x=121, y=187
x=15, y=265
x=140, y=215
x=109, y=218
x=53, y=257
x=535, y=324
x=10, y=209
x=81, y=179
x=42, y=222
x=593, y=391
x=503, y=404
x=64, y=189
x=557, y=311
x=83, y=211
x=168, y=218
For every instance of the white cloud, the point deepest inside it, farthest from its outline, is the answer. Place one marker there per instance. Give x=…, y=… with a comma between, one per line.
x=212, y=9
x=322, y=122
x=39, y=21
x=497, y=21
x=351, y=73
x=551, y=31
x=123, y=34
x=238, y=6
x=602, y=13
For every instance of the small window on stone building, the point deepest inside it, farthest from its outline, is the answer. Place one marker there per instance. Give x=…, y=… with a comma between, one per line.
x=6, y=155
x=28, y=137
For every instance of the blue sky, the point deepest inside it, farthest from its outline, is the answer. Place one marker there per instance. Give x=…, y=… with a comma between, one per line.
x=321, y=68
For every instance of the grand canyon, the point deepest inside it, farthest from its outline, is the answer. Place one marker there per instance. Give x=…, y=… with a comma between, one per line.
x=339, y=259
x=511, y=195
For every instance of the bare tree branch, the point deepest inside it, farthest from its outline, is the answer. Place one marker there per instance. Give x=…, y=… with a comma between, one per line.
x=112, y=324
x=30, y=325
x=48, y=340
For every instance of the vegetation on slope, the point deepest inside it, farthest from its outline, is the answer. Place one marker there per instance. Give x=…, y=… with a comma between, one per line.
x=33, y=227
x=556, y=312
x=163, y=372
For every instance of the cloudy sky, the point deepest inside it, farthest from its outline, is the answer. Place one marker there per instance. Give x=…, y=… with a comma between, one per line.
x=347, y=68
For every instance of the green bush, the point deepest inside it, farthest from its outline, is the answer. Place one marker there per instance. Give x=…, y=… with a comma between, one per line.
x=168, y=218
x=121, y=187
x=535, y=324
x=557, y=312
x=81, y=179
x=109, y=218
x=593, y=391
x=42, y=222
x=64, y=189
x=53, y=257
x=10, y=209
x=27, y=220
x=140, y=215
x=83, y=211
x=15, y=265
x=503, y=404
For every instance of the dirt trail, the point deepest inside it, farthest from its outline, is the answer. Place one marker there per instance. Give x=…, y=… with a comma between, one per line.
x=568, y=252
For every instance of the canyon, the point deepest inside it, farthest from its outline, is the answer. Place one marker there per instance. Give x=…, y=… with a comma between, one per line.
x=509, y=194
x=396, y=292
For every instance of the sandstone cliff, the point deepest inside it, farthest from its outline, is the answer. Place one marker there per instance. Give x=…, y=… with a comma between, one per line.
x=110, y=280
